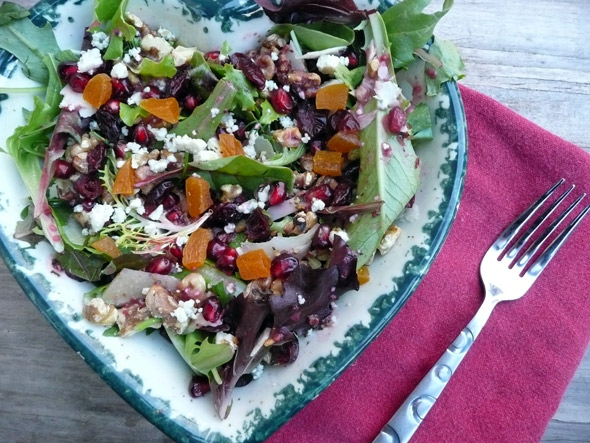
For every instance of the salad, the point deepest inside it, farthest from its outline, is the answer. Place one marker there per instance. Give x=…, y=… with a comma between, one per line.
x=224, y=199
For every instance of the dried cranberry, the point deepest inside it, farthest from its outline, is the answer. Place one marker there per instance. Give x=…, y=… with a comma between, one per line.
x=199, y=386
x=396, y=120
x=283, y=265
x=310, y=120
x=108, y=125
x=170, y=201
x=215, y=249
x=345, y=261
x=176, y=216
x=244, y=380
x=351, y=171
x=224, y=213
x=88, y=186
x=96, y=158
x=141, y=134
x=67, y=70
x=113, y=106
x=159, y=265
x=353, y=59
x=321, y=238
x=212, y=309
x=282, y=102
x=121, y=88
x=63, y=169
x=213, y=55
x=175, y=251
x=157, y=194
x=285, y=353
x=278, y=193
x=258, y=226
x=226, y=238
x=227, y=261
x=342, y=194
x=343, y=121
x=78, y=82
x=321, y=192
x=315, y=146
x=240, y=134
x=190, y=102
x=87, y=205
x=250, y=70
x=179, y=83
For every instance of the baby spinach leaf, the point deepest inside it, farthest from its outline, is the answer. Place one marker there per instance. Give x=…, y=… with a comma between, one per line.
x=81, y=264
x=11, y=11
x=451, y=69
x=244, y=171
x=409, y=28
x=203, y=123
x=420, y=122
x=29, y=44
x=320, y=35
x=163, y=68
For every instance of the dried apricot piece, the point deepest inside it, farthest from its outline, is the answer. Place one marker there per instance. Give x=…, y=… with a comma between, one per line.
x=194, y=253
x=332, y=97
x=254, y=264
x=198, y=196
x=363, y=275
x=107, y=246
x=344, y=141
x=230, y=146
x=98, y=90
x=167, y=109
x=328, y=163
x=125, y=180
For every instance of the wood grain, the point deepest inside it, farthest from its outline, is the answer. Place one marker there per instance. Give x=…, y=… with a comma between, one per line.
x=530, y=56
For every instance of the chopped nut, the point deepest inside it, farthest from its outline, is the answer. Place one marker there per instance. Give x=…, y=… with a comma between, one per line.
x=98, y=312
x=129, y=317
x=305, y=180
x=230, y=192
x=301, y=223
x=290, y=137
x=389, y=239
x=306, y=162
x=161, y=304
x=266, y=65
x=277, y=287
x=193, y=281
x=306, y=83
x=274, y=41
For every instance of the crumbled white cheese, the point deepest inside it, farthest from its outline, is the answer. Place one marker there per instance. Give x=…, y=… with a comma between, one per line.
x=247, y=207
x=306, y=138
x=229, y=122
x=144, y=291
x=286, y=121
x=74, y=101
x=387, y=94
x=300, y=299
x=157, y=213
x=119, y=71
x=100, y=40
x=78, y=208
x=287, y=88
x=339, y=232
x=133, y=53
x=185, y=312
x=184, y=143
x=133, y=147
x=389, y=239
x=151, y=229
x=137, y=204
x=93, y=126
x=182, y=55
x=119, y=215
x=214, y=112
x=257, y=372
x=206, y=156
x=159, y=133
x=182, y=240
x=125, y=131
x=157, y=166
x=327, y=64
x=98, y=216
x=166, y=33
x=90, y=60
x=317, y=205
x=263, y=194
x=224, y=337
x=135, y=99
x=274, y=56
x=160, y=45
x=270, y=86
x=229, y=228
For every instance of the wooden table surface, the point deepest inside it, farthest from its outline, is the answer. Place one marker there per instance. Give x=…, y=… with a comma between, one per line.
x=531, y=56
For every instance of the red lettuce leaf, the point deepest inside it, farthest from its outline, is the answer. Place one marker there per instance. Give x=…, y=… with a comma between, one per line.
x=300, y=11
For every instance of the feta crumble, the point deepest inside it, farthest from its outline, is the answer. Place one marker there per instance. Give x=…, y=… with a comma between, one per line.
x=157, y=166
x=119, y=215
x=247, y=207
x=300, y=299
x=317, y=205
x=137, y=204
x=229, y=228
x=339, y=232
x=182, y=240
x=327, y=64
x=156, y=213
x=286, y=122
x=257, y=372
x=119, y=71
x=386, y=94
x=100, y=40
x=98, y=216
x=90, y=60
x=270, y=86
x=135, y=99
x=214, y=112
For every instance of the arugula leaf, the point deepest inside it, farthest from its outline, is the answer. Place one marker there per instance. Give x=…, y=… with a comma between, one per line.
x=451, y=69
x=288, y=156
x=351, y=77
x=202, y=123
x=115, y=49
x=245, y=92
x=130, y=114
x=320, y=35
x=199, y=353
x=163, y=68
x=420, y=122
x=11, y=11
x=389, y=169
x=29, y=44
x=267, y=113
x=81, y=264
x=409, y=28
x=244, y=171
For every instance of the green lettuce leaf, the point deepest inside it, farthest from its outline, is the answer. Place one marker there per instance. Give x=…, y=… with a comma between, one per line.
x=112, y=14
x=199, y=353
x=351, y=77
x=267, y=113
x=115, y=49
x=130, y=114
x=163, y=68
x=319, y=36
x=105, y=10
x=245, y=92
x=420, y=122
x=451, y=69
x=409, y=28
x=288, y=156
x=11, y=11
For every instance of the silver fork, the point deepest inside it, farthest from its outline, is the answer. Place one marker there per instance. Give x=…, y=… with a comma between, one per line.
x=503, y=280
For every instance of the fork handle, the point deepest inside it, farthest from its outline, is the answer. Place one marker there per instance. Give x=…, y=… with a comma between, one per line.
x=409, y=416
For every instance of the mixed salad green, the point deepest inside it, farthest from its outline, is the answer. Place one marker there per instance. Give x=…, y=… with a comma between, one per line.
x=225, y=199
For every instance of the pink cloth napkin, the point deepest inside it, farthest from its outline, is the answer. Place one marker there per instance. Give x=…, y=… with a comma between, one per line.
x=512, y=380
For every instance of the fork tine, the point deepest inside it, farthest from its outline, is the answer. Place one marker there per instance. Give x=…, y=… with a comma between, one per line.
x=550, y=252
x=509, y=233
x=532, y=250
x=513, y=252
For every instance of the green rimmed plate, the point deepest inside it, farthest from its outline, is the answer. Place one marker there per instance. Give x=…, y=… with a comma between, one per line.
x=133, y=367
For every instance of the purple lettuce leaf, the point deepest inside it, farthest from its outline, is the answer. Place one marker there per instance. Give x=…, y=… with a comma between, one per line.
x=299, y=11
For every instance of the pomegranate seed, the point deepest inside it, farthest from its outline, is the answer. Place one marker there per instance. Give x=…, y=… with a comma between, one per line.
x=174, y=215
x=321, y=192
x=141, y=134
x=285, y=353
x=321, y=239
x=159, y=265
x=212, y=309
x=227, y=261
x=96, y=158
x=278, y=193
x=63, y=169
x=213, y=55
x=113, y=106
x=176, y=251
x=190, y=102
x=215, y=249
x=353, y=60
x=121, y=88
x=283, y=265
x=258, y=226
x=396, y=120
x=282, y=102
x=88, y=186
x=199, y=386
x=430, y=72
x=343, y=121
x=120, y=150
x=240, y=134
x=170, y=201
x=78, y=82
x=67, y=70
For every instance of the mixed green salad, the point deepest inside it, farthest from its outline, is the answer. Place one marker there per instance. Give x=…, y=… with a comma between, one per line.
x=225, y=199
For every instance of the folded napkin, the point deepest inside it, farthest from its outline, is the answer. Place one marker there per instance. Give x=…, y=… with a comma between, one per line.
x=512, y=380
